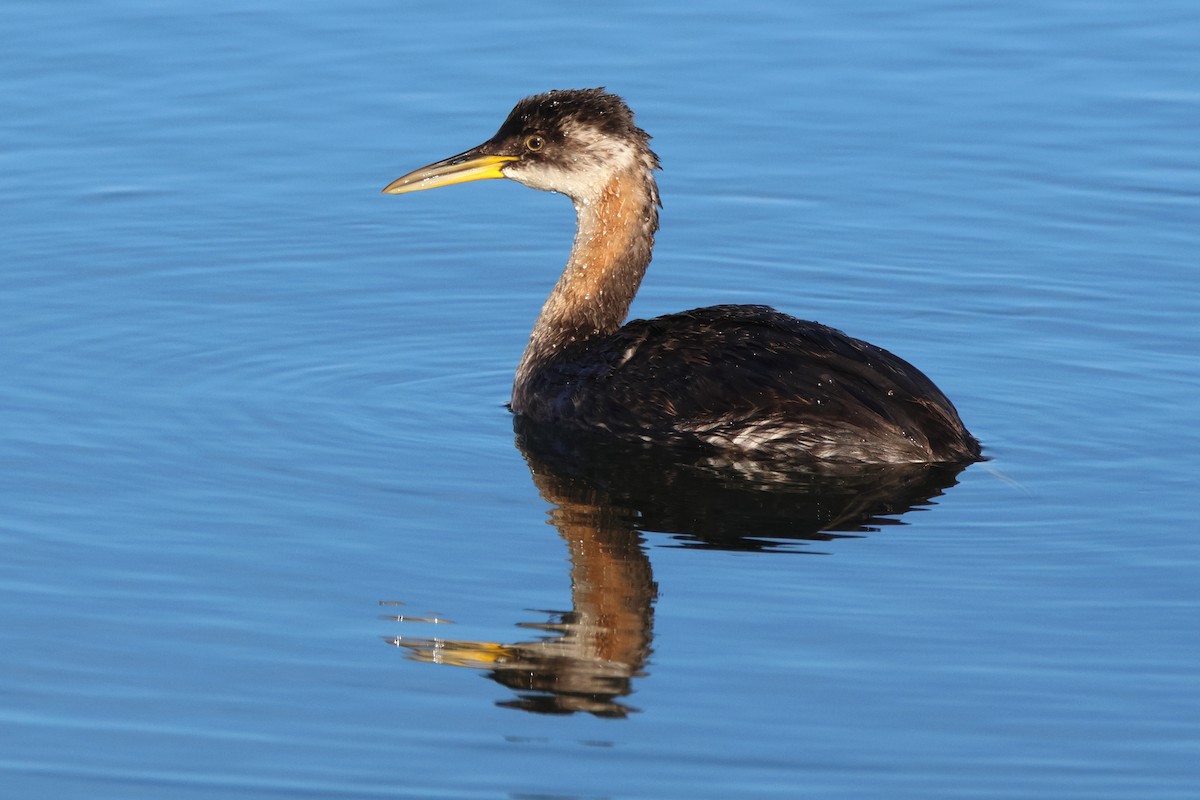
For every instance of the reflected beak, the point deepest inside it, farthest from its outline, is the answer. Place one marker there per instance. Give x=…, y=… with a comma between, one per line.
x=473, y=165
x=476, y=655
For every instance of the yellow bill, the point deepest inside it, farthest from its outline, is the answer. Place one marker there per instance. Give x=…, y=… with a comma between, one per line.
x=468, y=166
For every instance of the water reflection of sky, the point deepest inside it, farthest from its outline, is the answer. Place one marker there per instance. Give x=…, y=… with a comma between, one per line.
x=246, y=399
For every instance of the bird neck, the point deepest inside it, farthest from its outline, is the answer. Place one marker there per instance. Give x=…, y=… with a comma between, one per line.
x=613, y=244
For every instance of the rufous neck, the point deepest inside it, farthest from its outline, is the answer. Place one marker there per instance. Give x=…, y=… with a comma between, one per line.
x=613, y=244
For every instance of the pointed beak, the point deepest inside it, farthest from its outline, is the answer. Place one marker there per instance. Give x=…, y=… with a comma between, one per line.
x=473, y=165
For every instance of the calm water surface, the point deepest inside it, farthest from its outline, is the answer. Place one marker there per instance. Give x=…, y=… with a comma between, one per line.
x=267, y=530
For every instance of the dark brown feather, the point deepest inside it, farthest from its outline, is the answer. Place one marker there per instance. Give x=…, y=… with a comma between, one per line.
x=751, y=378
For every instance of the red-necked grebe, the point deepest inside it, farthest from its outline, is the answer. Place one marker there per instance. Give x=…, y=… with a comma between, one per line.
x=744, y=379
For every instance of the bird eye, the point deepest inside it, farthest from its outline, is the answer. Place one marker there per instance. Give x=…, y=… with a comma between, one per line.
x=534, y=143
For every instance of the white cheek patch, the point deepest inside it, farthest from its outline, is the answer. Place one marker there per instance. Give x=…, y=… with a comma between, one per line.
x=600, y=158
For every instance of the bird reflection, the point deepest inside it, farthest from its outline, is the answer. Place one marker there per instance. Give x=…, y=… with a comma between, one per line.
x=604, y=496
x=586, y=658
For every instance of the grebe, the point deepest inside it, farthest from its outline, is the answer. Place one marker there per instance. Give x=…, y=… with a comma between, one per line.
x=744, y=379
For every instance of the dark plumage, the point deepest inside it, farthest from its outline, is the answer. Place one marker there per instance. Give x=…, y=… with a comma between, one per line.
x=745, y=380
x=752, y=379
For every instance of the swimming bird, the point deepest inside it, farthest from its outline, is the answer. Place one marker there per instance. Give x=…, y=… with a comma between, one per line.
x=745, y=380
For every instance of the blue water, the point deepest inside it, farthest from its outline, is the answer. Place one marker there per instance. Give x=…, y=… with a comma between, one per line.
x=252, y=432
